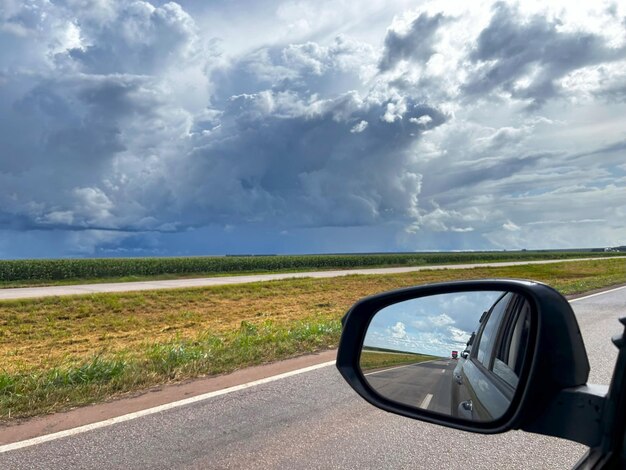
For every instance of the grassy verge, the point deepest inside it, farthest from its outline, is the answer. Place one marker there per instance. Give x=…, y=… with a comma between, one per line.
x=380, y=360
x=100, y=377
x=61, y=352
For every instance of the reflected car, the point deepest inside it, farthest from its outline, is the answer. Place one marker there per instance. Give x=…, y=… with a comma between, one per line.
x=485, y=379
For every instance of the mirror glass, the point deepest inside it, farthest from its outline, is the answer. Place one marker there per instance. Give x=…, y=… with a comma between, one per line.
x=457, y=354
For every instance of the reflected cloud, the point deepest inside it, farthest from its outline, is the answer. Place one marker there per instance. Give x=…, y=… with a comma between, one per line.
x=433, y=325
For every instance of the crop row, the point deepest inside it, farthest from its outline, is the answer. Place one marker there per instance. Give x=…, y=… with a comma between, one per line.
x=59, y=269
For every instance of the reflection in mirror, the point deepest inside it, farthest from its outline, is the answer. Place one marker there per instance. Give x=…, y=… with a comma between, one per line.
x=457, y=354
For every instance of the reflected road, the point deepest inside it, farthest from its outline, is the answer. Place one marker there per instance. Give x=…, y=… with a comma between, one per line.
x=425, y=384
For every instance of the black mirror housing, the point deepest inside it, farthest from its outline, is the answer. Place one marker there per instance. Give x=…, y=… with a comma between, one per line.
x=556, y=358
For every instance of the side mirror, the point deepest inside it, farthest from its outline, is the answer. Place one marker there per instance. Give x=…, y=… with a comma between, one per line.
x=520, y=345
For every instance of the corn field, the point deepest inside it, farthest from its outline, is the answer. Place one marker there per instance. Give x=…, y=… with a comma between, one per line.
x=60, y=269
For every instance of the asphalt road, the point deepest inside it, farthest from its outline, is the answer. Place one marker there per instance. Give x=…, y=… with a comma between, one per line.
x=425, y=384
x=314, y=420
x=50, y=291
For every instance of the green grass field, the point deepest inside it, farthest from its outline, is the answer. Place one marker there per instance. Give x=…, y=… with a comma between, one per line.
x=21, y=273
x=61, y=352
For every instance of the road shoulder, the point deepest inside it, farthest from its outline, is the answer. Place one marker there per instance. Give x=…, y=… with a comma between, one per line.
x=35, y=427
x=168, y=393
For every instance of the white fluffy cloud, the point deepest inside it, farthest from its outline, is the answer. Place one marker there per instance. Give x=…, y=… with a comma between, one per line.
x=430, y=325
x=398, y=331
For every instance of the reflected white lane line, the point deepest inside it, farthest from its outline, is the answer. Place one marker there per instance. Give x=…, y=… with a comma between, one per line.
x=397, y=367
x=426, y=401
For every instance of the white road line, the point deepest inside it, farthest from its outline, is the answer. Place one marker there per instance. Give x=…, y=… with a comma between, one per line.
x=426, y=401
x=597, y=293
x=399, y=367
x=386, y=370
x=156, y=409
x=443, y=371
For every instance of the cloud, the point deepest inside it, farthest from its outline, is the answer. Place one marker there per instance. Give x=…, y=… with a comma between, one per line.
x=398, y=331
x=441, y=320
x=139, y=39
x=510, y=226
x=310, y=68
x=415, y=41
x=430, y=325
x=459, y=336
x=525, y=57
x=380, y=128
x=360, y=127
x=115, y=119
x=285, y=156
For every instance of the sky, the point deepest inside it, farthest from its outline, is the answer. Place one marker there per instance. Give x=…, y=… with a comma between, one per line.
x=136, y=128
x=435, y=325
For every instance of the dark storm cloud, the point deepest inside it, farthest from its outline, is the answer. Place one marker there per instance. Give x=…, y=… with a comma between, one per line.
x=62, y=138
x=66, y=124
x=283, y=143
x=334, y=162
x=417, y=44
x=77, y=120
x=510, y=48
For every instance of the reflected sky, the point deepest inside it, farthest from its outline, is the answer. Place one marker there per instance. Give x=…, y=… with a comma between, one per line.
x=433, y=325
